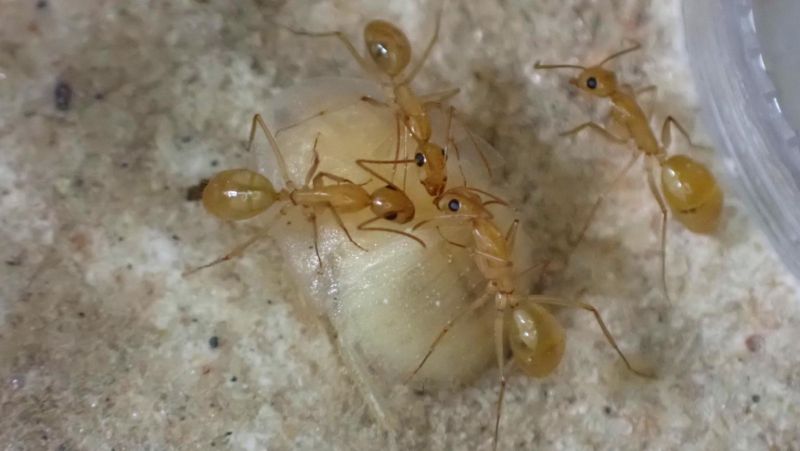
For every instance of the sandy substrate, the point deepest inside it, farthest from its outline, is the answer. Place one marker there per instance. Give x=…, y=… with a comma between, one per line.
x=110, y=111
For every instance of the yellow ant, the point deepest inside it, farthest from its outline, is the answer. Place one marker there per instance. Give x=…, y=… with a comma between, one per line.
x=431, y=159
x=390, y=52
x=536, y=338
x=688, y=187
x=238, y=194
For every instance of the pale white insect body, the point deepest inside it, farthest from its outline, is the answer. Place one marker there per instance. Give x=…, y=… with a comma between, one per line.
x=386, y=304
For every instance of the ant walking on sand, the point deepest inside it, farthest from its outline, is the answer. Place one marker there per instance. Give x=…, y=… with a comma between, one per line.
x=687, y=186
x=238, y=194
x=536, y=338
x=389, y=50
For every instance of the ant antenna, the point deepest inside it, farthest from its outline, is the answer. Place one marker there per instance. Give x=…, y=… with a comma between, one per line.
x=428, y=47
x=494, y=199
x=635, y=46
x=539, y=65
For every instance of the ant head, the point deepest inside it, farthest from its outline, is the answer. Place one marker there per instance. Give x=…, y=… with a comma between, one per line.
x=433, y=161
x=238, y=194
x=596, y=81
x=392, y=204
x=387, y=46
x=460, y=201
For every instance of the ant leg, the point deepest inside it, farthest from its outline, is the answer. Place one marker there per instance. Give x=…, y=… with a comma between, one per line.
x=314, y=116
x=499, y=409
x=233, y=253
x=596, y=127
x=373, y=102
x=449, y=241
x=609, y=188
x=666, y=135
x=314, y=164
x=341, y=37
x=511, y=234
x=364, y=382
x=449, y=141
x=549, y=300
x=495, y=258
x=401, y=140
x=363, y=227
x=427, y=50
x=259, y=121
x=437, y=98
x=475, y=305
x=363, y=164
x=405, y=136
x=313, y=217
x=615, y=124
x=499, y=341
x=544, y=268
x=443, y=218
x=543, y=265
x=341, y=224
x=366, y=99
x=397, y=129
x=477, y=147
x=649, y=89
x=323, y=175
x=651, y=182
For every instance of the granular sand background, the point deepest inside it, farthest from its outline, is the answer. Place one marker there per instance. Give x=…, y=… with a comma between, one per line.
x=103, y=345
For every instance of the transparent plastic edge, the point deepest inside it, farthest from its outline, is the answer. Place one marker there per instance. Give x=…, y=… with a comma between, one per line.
x=740, y=109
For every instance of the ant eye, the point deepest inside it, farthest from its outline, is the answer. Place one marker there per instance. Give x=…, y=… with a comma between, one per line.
x=391, y=216
x=419, y=158
x=454, y=205
x=591, y=83
x=379, y=50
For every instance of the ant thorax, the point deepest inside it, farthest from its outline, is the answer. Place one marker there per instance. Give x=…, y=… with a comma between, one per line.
x=388, y=302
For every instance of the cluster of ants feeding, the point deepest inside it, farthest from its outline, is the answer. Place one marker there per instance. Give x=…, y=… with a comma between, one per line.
x=521, y=322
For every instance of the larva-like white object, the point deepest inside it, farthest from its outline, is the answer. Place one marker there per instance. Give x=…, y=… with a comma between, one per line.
x=386, y=305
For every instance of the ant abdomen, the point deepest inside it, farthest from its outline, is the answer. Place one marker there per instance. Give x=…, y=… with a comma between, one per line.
x=536, y=338
x=392, y=204
x=387, y=46
x=692, y=193
x=238, y=194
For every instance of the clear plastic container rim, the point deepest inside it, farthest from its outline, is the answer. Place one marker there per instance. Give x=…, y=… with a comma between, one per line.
x=760, y=150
